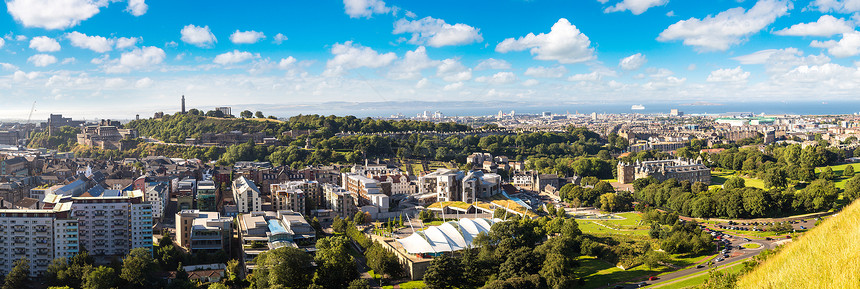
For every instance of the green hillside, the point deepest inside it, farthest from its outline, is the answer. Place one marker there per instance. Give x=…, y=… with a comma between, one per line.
x=827, y=256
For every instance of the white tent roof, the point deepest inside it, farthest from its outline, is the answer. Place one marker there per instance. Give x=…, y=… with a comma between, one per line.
x=448, y=237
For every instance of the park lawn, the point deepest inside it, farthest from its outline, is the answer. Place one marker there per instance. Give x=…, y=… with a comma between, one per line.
x=684, y=260
x=610, y=180
x=751, y=246
x=837, y=170
x=720, y=178
x=631, y=219
x=699, y=279
x=599, y=273
x=407, y=285
x=589, y=227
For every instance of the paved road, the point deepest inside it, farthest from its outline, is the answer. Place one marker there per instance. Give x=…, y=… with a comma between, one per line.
x=735, y=255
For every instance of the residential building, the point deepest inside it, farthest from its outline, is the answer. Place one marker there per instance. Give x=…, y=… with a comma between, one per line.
x=186, y=192
x=16, y=166
x=289, y=196
x=246, y=195
x=203, y=231
x=340, y=201
x=361, y=185
x=263, y=231
x=157, y=196
x=207, y=196
x=39, y=235
x=454, y=185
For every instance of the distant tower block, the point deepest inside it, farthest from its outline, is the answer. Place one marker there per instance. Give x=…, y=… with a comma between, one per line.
x=183, y=104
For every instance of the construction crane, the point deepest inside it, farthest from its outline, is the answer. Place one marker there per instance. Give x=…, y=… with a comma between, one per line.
x=33, y=108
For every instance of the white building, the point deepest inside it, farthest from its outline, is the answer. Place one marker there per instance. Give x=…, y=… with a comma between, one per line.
x=263, y=231
x=157, y=196
x=246, y=195
x=203, y=231
x=37, y=235
x=340, y=201
x=454, y=185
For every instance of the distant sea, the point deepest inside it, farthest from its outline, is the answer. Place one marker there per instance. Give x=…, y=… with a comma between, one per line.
x=410, y=109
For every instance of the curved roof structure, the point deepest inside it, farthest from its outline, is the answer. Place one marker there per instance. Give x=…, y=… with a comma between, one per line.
x=448, y=237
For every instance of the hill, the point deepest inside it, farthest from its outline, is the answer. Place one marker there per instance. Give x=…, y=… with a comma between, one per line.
x=825, y=257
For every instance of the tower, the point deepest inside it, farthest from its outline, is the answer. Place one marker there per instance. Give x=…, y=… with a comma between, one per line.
x=183, y=104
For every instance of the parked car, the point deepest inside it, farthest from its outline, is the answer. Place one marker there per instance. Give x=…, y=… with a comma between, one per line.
x=652, y=278
x=700, y=266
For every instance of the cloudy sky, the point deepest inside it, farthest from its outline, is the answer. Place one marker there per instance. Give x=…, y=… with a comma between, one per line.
x=115, y=58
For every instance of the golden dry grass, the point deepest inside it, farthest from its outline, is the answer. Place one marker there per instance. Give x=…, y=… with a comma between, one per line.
x=827, y=256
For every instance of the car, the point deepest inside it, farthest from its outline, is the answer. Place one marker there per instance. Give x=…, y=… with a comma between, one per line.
x=700, y=266
x=720, y=259
x=642, y=284
x=768, y=239
x=802, y=228
x=619, y=287
x=652, y=278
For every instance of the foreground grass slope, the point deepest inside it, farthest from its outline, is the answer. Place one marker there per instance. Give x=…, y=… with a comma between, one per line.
x=825, y=257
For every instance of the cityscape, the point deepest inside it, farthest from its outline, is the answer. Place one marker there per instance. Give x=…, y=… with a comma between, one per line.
x=369, y=144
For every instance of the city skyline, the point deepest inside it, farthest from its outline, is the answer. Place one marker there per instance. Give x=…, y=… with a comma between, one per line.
x=123, y=58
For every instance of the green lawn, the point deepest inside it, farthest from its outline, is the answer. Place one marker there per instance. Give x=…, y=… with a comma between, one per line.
x=751, y=246
x=719, y=178
x=407, y=285
x=589, y=227
x=599, y=273
x=699, y=279
x=837, y=170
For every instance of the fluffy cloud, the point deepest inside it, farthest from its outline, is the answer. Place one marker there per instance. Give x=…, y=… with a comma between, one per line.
x=286, y=62
x=531, y=82
x=42, y=60
x=849, y=45
x=451, y=70
x=492, y=63
x=453, y=86
x=53, y=14
x=592, y=76
x=348, y=56
x=779, y=61
x=437, y=33
x=841, y=6
x=198, y=36
x=364, y=8
x=44, y=44
x=564, y=43
x=143, y=82
x=825, y=26
x=234, y=57
x=546, y=72
x=139, y=58
x=503, y=77
x=95, y=43
x=412, y=64
x=730, y=27
x=635, y=6
x=125, y=42
x=729, y=75
x=115, y=82
x=246, y=37
x=8, y=66
x=20, y=76
x=136, y=7
x=2, y=42
x=633, y=62
x=279, y=38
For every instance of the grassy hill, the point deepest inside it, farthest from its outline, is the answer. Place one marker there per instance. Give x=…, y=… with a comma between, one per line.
x=825, y=257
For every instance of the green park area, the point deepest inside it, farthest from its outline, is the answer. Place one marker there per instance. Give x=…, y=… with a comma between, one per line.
x=407, y=285
x=718, y=178
x=837, y=171
x=631, y=224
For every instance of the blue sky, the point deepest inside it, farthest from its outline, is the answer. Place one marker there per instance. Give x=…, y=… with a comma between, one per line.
x=112, y=58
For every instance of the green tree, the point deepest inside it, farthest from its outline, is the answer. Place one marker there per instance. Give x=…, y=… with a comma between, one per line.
x=287, y=267
x=217, y=286
x=848, y=171
x=359, y=284
x=259, y=114
x=444, y=272
x=734, y=183
x=246, y=114
x=852, y=188
x=100, y=278
x=827, y=174
x=775, y=177
x=136, y=268
x=336, y=267
x=19, y=277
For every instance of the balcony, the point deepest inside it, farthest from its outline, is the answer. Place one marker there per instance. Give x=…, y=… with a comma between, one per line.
x=118, y=212
x=99, y=213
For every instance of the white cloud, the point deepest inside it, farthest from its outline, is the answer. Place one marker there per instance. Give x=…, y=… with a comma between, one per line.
x=198, y=36
x=125, y=42
x=437, y=33
x=841, y=6
x=453, y=86
x=137, y=59
x=2, y=42
x=730, y=27
x=451, y=70
x=424, y=82
x=20, y=76
x=635, y=6
x=659, y=72
x=136, y=7
x=21, y=37
x=546, y=72
x=286, y=63
x=670, y=13
x=412, y=64
x=8, y=66
x=503, y=77
x=364, y=8
x=592, y=76
x=95, y=43
x=348, y=56
x=246, y=37
x=633, y=62
x=69, y=60
x=564, y=43
x=492, y=63
x=234, y=57
x=729, y=75
x=779, y=61
x=825, y=26
x=279, y=38
x=53, y=14
x=143, y=82
x=849, y=45
x=531, y=82
x=115, y=83
x=42, y=60
x=44, y=44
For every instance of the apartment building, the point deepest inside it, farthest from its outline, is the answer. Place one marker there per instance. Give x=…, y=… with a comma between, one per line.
x=361, y=185
x=207, y=196
x=203, y=231
x=341, y=202
x=39, y=235
x=289, y=196
x=157, y=196
x=246, y=195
